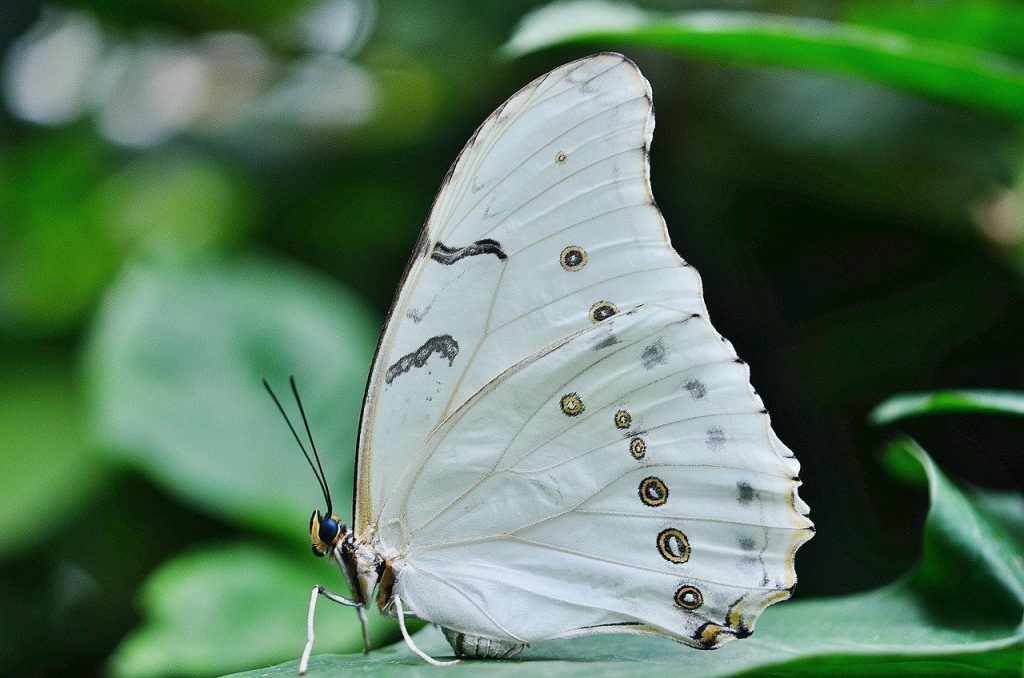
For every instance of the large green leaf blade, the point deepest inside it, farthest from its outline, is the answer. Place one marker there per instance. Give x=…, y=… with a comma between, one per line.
x=960, y=611
x=963, y=401
x=175, y=366
x=954, y=73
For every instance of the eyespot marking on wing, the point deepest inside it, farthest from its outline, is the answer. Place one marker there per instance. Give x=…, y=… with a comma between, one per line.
x=673, y=546
x=638, y=448
x=715, y=437
x=623, y=419
x=602, y=310
x=572, y=404
x=560, y=157
x=653, y=491
x=443, y=254
x=654, y=354
x=444, y=345
x=696, y=388
x=689, y=597
x=573, y=258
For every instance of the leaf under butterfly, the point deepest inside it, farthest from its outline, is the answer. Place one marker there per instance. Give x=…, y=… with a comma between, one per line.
x=960, y=610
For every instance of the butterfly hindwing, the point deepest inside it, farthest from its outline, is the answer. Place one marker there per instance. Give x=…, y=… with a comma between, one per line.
x=596, y=483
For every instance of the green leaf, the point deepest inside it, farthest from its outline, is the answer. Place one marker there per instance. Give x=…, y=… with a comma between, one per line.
x=954, y=73
x=227, y=607
x=47, y=463
x=175, y=364
x=941, y=402
x=994, y=25
x=960, y=610
x=1004, y=507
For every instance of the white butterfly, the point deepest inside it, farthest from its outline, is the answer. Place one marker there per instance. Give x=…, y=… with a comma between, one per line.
x=555, y=440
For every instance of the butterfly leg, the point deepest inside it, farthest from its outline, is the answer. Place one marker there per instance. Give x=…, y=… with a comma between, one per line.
x=317, y=592
x=408, y=639
x=353, y=585
x=361, y=610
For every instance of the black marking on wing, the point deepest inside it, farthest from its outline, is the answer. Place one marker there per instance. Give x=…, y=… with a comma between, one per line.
x=696, y=388
x=449, y=255
x=745, y=492
x=655, y=354
x=443, y=344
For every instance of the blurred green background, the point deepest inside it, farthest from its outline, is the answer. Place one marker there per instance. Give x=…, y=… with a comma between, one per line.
x=197, y=194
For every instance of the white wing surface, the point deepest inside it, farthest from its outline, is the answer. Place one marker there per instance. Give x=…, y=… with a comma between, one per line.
x=555, y=439
x=626, y=478
x=544, y=226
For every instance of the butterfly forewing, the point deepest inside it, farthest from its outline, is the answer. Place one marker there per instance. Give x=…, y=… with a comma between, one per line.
x=544, y=226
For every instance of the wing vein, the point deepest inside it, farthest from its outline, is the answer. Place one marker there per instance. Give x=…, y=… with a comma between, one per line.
x=581, y=421
x=449, y=228
x=526, y=106
x=509, y=443
x=612, y=561
x=512, y=253
x=471, y=602
x=491, y=330
x=553, y=186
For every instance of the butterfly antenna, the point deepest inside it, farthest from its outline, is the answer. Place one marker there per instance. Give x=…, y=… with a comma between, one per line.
x=309, y=434
x=319, y=478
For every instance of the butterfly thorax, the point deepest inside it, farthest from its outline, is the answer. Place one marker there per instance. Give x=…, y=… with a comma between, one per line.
x=367, y=570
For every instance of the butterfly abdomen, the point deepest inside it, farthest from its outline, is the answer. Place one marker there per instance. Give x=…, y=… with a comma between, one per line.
x=479, y=647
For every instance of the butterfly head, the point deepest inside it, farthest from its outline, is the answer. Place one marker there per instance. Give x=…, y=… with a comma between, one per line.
x=326, y=532
x=325, y=529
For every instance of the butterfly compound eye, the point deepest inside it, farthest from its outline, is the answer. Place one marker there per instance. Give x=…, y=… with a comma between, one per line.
x=324, y=533
x=328, y=530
